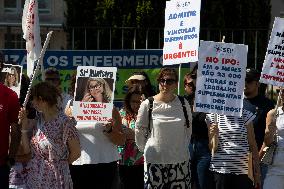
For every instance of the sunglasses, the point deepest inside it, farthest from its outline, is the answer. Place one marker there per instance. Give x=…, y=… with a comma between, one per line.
x=167, y=81
x=189, y=84
x=95, y=86
x=278, y=90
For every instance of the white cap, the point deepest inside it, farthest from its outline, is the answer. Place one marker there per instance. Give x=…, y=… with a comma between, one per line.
x=136, y=77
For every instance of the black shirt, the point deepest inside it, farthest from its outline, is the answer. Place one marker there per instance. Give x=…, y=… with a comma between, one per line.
x=263, y=105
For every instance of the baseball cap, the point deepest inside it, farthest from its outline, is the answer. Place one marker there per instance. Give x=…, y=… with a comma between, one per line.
x=252, y=74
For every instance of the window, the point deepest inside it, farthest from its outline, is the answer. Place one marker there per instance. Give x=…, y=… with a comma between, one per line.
x=16, y=6
x=10, y=6
x=44, y=6
x=14, y=41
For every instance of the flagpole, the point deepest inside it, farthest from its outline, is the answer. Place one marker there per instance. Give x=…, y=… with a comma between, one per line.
x=38, y=63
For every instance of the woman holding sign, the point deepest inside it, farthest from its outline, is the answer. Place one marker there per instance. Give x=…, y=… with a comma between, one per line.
x=97, y=165
x=164, y=135
x=54, y=142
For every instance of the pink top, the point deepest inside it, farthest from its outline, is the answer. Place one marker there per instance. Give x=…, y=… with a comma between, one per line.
x=48, y=168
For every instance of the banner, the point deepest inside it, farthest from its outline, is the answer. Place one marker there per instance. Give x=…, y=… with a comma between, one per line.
x=31, y=30
x=221, y=78
x=94, y=93
x=273, y=66
x=127, y=62
x=181, y=32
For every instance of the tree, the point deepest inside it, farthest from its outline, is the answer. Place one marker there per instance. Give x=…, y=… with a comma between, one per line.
x=226, y=16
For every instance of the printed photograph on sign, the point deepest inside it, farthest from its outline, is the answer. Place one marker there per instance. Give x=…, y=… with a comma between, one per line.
x=11, y=77
x=93, y=89
x=94, y=93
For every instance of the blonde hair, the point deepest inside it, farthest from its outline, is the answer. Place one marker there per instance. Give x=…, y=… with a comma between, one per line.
x=107, y=93
x=15, y=73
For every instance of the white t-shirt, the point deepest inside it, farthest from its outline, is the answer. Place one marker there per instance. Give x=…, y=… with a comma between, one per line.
x=233, y=148
x=95, y=146
x=169, y=139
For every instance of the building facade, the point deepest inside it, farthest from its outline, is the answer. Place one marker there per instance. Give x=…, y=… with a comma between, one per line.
x=51, y=17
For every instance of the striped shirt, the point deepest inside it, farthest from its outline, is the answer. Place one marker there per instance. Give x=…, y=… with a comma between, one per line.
x=233, y=148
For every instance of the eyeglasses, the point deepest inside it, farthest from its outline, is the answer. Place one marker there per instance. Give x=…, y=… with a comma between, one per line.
x=189, y=84
x=95, y=86
x=167, y=81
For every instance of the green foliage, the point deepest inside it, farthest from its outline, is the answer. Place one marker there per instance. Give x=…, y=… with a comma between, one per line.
x=144, y=14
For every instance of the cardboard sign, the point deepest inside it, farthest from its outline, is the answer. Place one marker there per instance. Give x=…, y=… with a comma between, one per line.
x=11, y=77
x=221, y=78
x=181, y=33
x=94, y=93
x=273, y=66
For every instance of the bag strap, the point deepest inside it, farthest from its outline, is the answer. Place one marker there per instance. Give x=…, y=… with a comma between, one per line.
x=151, y=100
x=184, y=110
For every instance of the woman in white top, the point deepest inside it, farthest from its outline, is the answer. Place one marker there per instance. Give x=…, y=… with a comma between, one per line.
x=275, y=175
x=97, y=166
x=166, y=149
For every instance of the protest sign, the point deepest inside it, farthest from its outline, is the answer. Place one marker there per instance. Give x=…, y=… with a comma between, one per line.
x=11, y=77
x=181, y=32
x=221, y=78
x=94, y=93
x=273, y=66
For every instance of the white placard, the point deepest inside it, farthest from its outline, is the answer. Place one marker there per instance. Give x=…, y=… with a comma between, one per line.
x=94, y=93
x=181, y=32
x=11, y=77
x=273, y=66
x=221, y=78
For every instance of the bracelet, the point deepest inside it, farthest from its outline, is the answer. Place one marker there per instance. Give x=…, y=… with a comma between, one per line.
x=25, y=131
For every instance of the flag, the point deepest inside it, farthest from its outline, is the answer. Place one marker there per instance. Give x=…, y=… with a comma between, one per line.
x=31, y=30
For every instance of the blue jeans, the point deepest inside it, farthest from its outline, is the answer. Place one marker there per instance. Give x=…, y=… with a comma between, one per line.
x=263, y=169
x=200, y=162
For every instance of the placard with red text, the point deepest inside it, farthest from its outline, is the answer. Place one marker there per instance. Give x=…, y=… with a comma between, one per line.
x=221, y=78
x=273, y=66
x=94, y=94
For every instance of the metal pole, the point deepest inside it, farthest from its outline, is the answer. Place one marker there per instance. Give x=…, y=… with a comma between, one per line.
x=73, y=35
x=255, y=50
x=147, y=33
x=110, y=38
x=134, y=40
x=98, y=39
x=122, y=39
x=85, y=34
x=179, y=73
x=159, y=43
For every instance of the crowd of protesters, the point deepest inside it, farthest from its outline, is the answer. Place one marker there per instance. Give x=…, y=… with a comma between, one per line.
x=156, y=140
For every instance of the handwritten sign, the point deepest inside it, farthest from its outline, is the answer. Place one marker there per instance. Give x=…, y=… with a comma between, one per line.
x=220, y=78
x=273, y=68
x=181, y=32
x=94, y=93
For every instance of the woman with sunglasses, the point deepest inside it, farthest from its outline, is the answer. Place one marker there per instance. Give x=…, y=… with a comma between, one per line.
x=165, y=145
x=199, y=150
x=275, y=130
